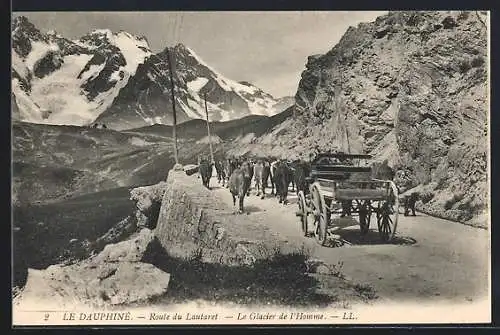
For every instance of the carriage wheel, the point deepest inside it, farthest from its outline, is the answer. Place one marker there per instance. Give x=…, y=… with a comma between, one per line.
x=322, y=217
x=365, y=214
x=320, y=232
x=387, y=215
x=303, y=212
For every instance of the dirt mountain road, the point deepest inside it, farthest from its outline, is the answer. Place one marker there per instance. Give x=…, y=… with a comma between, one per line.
x=430, y=259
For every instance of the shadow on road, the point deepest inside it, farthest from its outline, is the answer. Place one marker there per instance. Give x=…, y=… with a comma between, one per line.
x=291, y=201
x=215, y=187
x=354, y=237
x=252, y=209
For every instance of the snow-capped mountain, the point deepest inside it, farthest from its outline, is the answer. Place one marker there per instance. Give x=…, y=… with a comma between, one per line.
x=146, y=99
x=114, y=78
x=59, y=81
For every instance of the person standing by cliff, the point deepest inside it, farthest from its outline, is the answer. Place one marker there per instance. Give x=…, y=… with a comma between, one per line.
x=384, y=171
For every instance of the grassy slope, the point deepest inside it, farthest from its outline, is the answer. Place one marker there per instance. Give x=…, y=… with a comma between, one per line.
x=196, y=129
x=54, y=162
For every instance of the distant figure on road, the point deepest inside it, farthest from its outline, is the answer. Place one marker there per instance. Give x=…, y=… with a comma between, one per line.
x=104, y=126
x=409, y=202
x=403, y=180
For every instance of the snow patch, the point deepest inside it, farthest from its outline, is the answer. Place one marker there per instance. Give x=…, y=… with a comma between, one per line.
x=226, y=84
x=38, y=51
x=129, y=47
x=19, y=66
x=92, y=72
x=108, y=33
x=197, y=84
x=115, y=76
x=190, y=112
x=257, y=105
x=60, y=93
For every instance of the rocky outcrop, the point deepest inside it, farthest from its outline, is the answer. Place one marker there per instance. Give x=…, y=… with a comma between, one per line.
x=190, y=169
x=116, y=276
x=410, y=87
x=148, y=201
x=193, y=221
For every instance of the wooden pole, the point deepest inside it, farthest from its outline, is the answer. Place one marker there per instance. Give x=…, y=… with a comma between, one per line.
x=208, y=131
x=174, y=128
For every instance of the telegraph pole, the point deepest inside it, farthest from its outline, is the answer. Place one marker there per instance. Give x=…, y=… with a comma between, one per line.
x=174, y=130
x=208, y=131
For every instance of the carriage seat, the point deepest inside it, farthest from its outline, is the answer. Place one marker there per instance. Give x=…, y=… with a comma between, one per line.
x=337, y=171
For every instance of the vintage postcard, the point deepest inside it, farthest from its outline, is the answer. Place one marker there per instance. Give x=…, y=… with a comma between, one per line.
x=250, y=168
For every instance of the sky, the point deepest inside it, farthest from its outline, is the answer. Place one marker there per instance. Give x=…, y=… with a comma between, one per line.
x=268, y=49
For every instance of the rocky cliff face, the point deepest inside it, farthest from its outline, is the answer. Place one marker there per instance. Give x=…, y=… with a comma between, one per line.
x=410, y=87
x=114, y=78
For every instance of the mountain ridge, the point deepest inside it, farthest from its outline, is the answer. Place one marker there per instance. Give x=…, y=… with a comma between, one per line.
x=114, y=78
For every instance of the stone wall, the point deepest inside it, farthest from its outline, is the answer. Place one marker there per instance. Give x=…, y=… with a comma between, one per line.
x=194, y=221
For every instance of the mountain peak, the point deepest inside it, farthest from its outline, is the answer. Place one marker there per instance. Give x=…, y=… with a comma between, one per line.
x=179, y=48
x=101, y=32
x=22, y=23
x=104, y=37
x=21, y=20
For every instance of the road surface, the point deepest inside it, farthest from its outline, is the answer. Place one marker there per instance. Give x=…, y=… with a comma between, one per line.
x=430, y=258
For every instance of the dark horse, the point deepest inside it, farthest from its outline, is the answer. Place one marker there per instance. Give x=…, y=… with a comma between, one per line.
x=205, y=169
x=265, y=176
x=221, y=172
x=239, y=183
x=301, y=170
x=231, y=165
x=282, y=178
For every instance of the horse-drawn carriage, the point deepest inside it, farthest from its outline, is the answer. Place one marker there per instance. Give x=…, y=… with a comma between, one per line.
x=340, y=185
